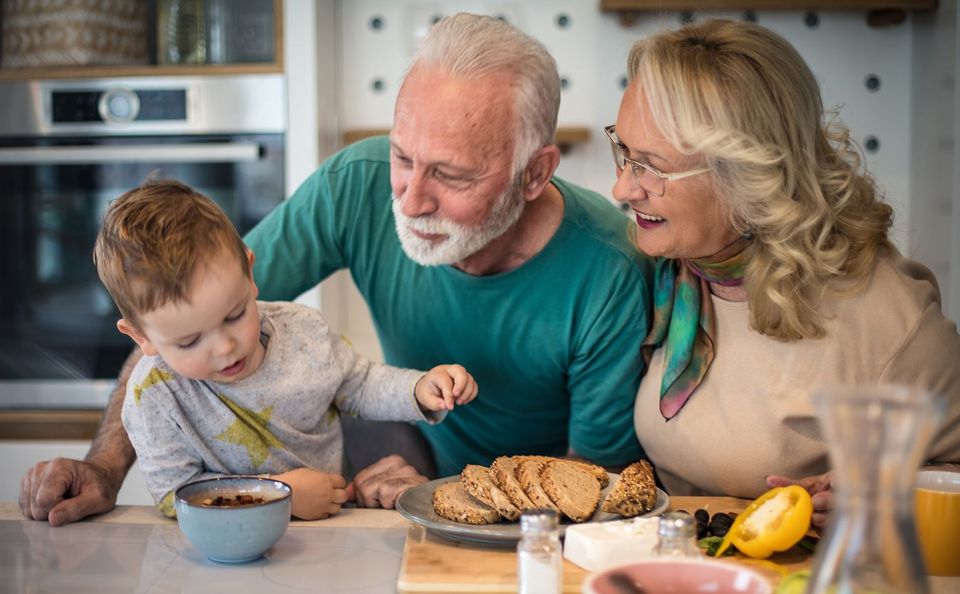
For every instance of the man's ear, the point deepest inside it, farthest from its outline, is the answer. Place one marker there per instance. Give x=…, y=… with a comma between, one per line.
x=539, y=170
x=125, y=327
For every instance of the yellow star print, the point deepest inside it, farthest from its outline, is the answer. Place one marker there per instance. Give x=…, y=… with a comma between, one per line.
x=250, y=431
x=156, y=376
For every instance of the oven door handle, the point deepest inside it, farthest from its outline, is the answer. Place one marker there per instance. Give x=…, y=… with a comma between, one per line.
x=224, y=152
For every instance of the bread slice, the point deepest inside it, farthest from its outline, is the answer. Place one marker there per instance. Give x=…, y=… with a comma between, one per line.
x=634, y=493
x=451, y=501
x=599, y=472
x=528, y=475
x=574, y=489
x=476, y=479
x=503, y=472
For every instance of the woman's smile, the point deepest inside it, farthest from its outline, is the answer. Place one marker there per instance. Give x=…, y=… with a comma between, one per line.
x=646, y=221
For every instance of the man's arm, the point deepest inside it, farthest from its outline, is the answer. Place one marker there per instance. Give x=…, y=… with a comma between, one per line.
x=64, y=490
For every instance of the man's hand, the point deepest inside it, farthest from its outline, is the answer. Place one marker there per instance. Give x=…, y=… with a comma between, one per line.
x=316, y=494
x=820, y=488
x=379, y=484
x=63, y=491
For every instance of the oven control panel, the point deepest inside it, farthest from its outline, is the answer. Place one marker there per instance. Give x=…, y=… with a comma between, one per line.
x=117, y=105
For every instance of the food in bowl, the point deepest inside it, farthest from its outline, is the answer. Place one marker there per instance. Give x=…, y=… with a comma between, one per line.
x=234, y=501
x=252, y=515
x=678, y=576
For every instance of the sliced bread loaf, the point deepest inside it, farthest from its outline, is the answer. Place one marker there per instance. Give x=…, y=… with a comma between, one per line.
x=634, y=493
x=572, y=488
x=476, y=479
x=451, y=501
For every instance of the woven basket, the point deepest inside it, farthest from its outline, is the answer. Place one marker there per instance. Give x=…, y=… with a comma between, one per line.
x=39, y=33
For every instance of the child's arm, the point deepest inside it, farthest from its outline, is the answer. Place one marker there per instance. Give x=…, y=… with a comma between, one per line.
x=316, y=494
x=445, y=385
x=164, y=456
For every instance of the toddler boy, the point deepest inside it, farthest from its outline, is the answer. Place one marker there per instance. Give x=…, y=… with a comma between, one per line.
x=229, y=384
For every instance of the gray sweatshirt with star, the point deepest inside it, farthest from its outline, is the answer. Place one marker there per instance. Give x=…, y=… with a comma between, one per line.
x=286, y=415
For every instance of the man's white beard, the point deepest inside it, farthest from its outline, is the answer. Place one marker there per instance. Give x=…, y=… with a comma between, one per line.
x=461, y=241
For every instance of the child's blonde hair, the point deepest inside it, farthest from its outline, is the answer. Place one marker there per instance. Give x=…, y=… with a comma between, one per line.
x=152, y=240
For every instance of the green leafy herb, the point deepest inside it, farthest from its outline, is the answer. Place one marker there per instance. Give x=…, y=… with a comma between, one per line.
x=710, y=544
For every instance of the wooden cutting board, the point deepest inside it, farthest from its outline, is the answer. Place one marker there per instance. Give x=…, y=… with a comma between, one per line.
x=433, y=563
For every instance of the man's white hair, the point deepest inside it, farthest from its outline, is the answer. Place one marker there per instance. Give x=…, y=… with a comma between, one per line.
x=469, y=46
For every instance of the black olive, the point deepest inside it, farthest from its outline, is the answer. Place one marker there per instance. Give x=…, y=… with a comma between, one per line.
x=703, y=522
x=720, y=524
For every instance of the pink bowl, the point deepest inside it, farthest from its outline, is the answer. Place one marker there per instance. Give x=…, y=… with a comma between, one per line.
x=679, y=576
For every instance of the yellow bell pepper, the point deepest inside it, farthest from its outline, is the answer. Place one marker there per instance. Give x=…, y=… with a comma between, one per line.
x=773, y=522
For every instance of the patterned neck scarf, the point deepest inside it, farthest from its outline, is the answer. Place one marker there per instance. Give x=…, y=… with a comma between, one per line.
x=684, y=322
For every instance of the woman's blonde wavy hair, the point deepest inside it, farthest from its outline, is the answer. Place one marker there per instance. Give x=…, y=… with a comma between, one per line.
x=741, y=96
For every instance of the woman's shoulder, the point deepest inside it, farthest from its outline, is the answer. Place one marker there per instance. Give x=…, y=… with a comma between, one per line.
x=898, y=295
x=904, y=284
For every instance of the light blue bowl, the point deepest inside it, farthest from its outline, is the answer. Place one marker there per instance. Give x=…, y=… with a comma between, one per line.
x=233, y=534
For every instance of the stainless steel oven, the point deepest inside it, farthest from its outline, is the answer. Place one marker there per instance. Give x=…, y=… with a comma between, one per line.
x=67, y=148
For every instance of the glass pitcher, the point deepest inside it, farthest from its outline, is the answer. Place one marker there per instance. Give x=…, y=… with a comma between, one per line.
x=877, y=437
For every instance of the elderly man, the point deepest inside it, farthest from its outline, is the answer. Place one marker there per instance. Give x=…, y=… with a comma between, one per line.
x=467, y=250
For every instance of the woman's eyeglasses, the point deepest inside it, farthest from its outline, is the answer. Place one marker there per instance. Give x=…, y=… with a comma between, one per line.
x=651, y=179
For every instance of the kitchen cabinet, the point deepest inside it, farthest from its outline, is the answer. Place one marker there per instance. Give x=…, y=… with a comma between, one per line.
x=274, y=63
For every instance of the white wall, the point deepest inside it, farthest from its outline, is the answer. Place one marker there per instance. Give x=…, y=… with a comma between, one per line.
x=935, y=202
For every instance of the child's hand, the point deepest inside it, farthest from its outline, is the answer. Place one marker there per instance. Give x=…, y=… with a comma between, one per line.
x=445, y=385
x=316, y=494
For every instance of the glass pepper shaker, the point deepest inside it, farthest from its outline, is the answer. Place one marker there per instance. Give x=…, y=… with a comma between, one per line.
x=677, y=534
x=539, y=555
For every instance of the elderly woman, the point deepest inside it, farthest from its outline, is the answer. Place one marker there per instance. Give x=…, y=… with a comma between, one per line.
x=775, y=273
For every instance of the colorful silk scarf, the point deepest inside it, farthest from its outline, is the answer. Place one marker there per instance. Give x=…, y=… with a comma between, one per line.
x=683, y=320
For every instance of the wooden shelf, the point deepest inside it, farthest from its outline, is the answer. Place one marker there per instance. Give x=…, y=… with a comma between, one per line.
x=83, y=72
x=668, y=5
x=880, y=13
x=49, y=424
x=566, y=137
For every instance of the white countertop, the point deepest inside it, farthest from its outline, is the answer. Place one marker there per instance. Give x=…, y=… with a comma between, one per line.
x=135, y=549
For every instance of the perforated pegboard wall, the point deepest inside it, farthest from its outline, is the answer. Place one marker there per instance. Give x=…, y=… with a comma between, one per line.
x=864, y=71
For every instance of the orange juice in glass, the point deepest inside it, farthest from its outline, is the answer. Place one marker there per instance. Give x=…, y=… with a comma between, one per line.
x=938, y=520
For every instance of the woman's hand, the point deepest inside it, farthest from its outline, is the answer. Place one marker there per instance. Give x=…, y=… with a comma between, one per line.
x=316, y=494
x=445, y=385
x=820, y=488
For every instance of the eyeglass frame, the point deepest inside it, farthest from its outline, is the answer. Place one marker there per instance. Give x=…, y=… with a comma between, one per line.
x=619, y=153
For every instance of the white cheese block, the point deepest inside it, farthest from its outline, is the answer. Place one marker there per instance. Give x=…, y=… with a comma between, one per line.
x=601, y=545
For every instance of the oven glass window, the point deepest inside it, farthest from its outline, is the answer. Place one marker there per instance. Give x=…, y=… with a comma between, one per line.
x=57, y=322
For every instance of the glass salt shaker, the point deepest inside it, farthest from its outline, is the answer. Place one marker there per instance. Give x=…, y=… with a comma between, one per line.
x=539, y=556
x=677, y=534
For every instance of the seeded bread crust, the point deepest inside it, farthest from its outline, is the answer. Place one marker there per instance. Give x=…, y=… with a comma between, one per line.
x=634, y=493
x=451, y=501
x=503, y=472
x=574, y=489
x=476, y=479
